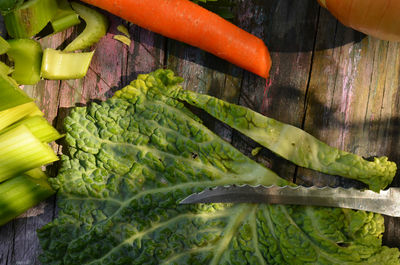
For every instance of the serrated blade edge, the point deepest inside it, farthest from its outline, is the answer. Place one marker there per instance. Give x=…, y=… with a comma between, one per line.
x=386, y=202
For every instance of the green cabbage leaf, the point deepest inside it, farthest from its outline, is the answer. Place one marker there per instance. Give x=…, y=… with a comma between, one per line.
x=285, y=140
x=132, y=158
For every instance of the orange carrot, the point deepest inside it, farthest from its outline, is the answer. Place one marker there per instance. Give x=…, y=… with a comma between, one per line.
x=187, y=22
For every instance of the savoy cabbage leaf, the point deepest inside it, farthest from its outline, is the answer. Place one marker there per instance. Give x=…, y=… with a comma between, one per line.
x=285, y=140
x=132, y=160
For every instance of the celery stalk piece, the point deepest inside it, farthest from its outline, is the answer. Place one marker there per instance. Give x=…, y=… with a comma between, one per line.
x=39, y=127
x=58, y=65
x=21, y=151
x=65, y=17
x=27, y=57
x=96, y=28
x=5, y=69
x=9, y=5
x=21, y=193
x=10, y=94
x=30, y=18
x=36, y=173
x=4, y=46
x=12, y=115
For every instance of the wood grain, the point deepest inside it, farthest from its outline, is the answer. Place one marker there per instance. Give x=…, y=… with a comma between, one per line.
x=281, y=23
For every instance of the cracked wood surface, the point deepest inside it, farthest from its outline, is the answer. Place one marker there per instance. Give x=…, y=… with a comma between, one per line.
x=337, y=84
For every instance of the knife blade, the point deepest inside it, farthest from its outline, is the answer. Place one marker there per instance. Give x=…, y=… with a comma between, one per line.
x=386, y=202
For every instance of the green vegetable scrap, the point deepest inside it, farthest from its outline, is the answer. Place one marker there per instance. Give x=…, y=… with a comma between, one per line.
x=21, y=151
x=10, y=94
x=65, y=17
x=24, y=138
x=125, y=38
x=96, y=28
x=134, y=157
x=39, y=127
x=14, y=114
x=288, y=141
x=4, y=46
x=21, y=193
x=30, y=18
x=27, y=57
x=9, y=5
x=59, y=65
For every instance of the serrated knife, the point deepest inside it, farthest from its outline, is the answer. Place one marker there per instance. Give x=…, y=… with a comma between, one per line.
x=386, y=202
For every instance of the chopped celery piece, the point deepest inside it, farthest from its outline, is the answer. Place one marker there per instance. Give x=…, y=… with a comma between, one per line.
x=21, y=151
x=96, y=28
x=39, y=127
x=27, y=57
x=65, y=17
x=21, y=193
x=4, y=46
x=12, y=115
x=60, y=65
x=10, y=94
x=8, y=5
x=30, y=18
x=36, y=112
x=5, y=69
x=36, y=173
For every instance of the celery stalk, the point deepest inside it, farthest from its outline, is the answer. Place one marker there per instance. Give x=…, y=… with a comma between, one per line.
x=20, y=151
x=10, y=94
x=39, y=127
x=27, y=57
x=96, y=28
x=4, y=46
x=36, y=173
x=9, y=5
x=5, y=69
x=11, y=115
x=30, y=18
x=65, y=17
x=60, y=65
x=21, y=193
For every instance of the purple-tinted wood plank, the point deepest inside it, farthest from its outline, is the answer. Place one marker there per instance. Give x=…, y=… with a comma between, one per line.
x=288, y=29
x=145, y=54
x=204, y=73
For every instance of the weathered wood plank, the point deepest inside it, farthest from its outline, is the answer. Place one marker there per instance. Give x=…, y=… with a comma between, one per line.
x=202, y=74
x=287, y=27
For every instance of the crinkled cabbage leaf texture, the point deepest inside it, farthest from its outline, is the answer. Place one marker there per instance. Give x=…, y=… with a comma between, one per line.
x=134, y=157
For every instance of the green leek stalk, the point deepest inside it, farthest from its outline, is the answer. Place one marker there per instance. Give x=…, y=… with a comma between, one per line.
x=27, y=57
x=96, y=28
x=4, y=46
x=10, y=94
x=12, y=115
x=65, y=17
x=21, y=151
x=21, y=193
x=58, y=65
x=39, y=127
x=30, y=18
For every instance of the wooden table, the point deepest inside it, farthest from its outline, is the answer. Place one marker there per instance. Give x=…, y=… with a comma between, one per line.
x=337, y=84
